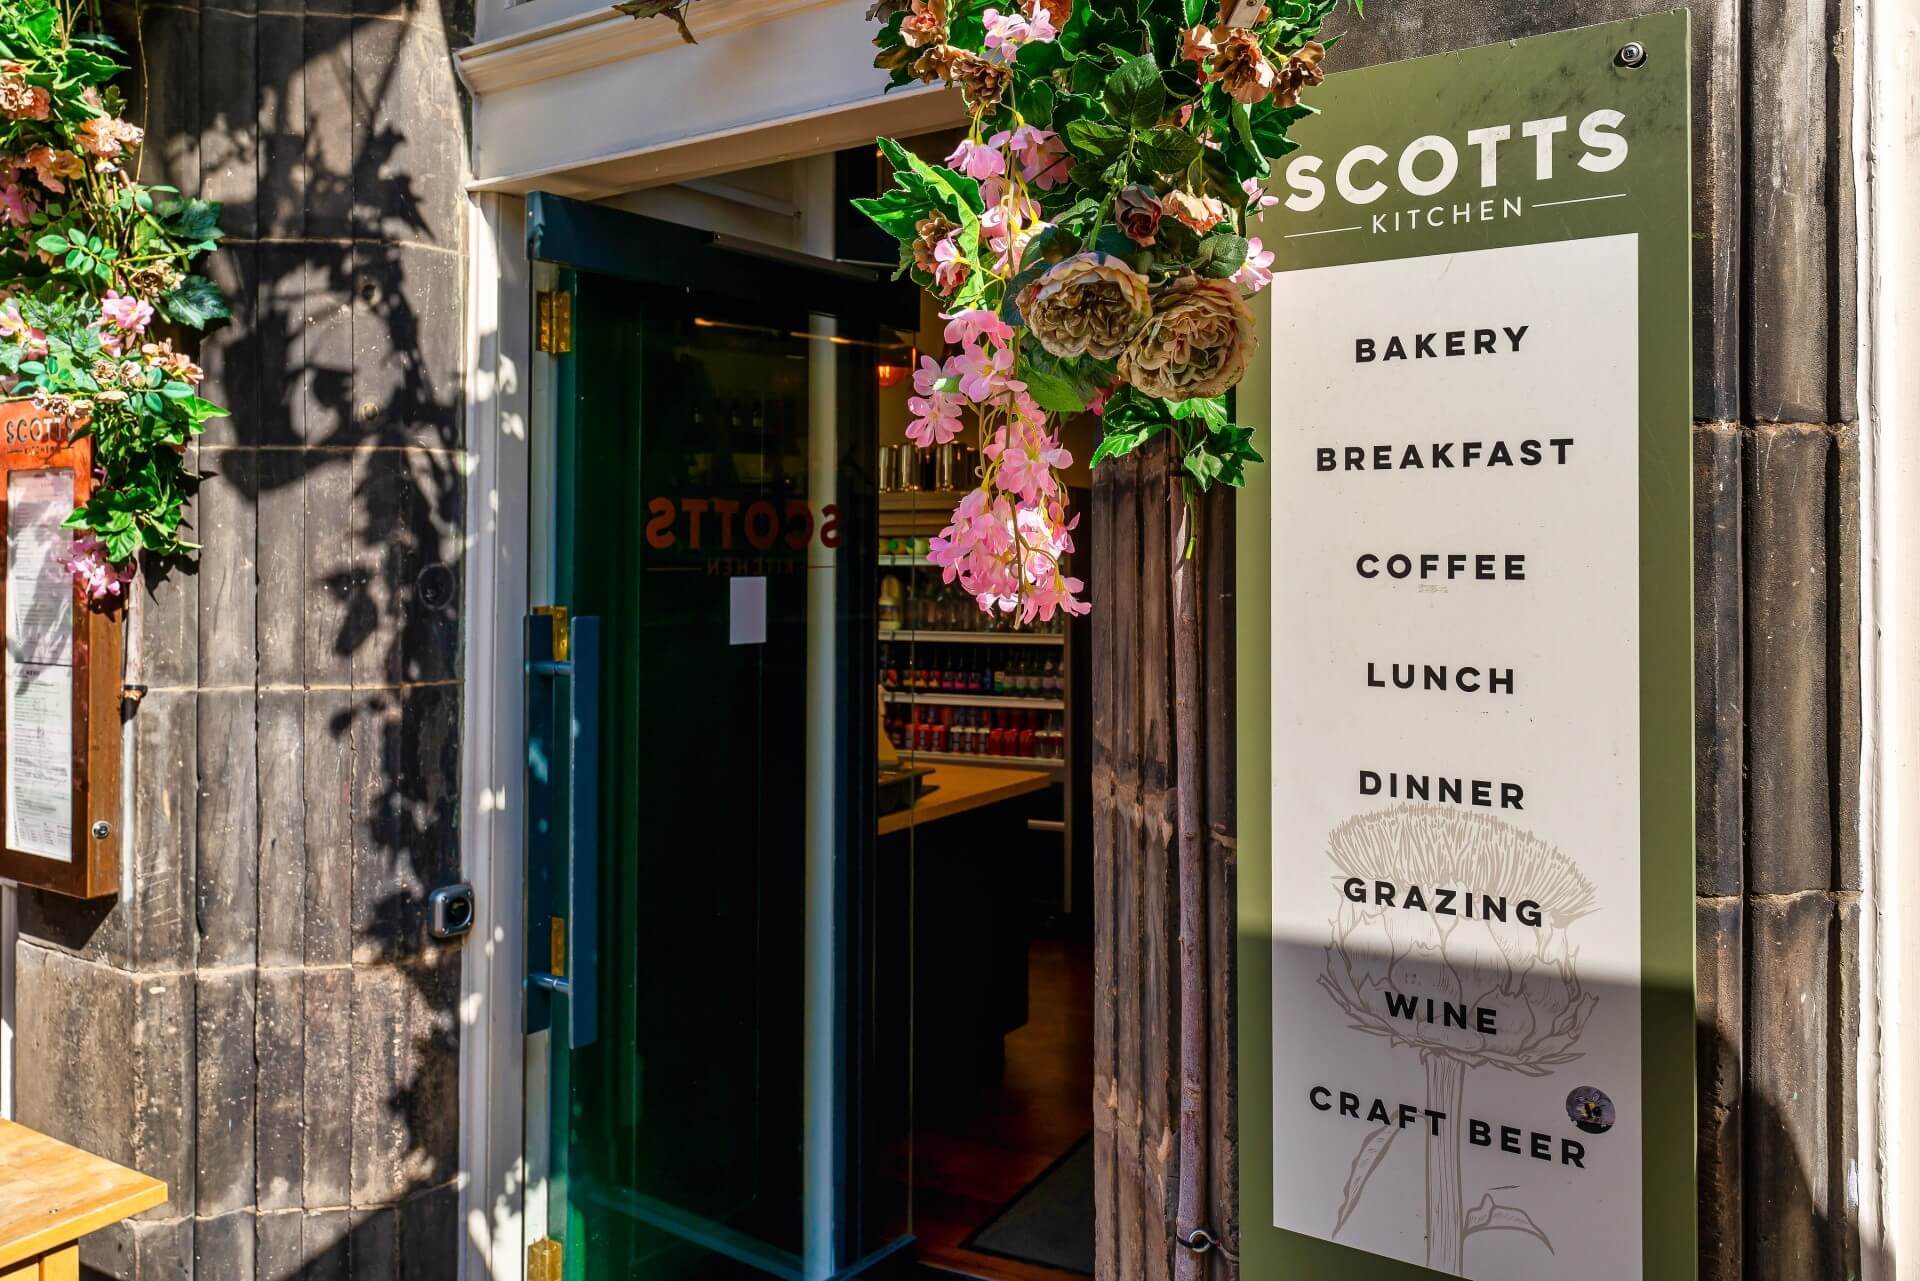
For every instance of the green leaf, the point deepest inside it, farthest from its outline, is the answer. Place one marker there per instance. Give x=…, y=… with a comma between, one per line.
x=51, y=244
x=1193, y=12
x=956, y=195
x=1211, y=410
x=1123, y=441
x=1168, y=151
x=195, y=302
x=76, y=236
x=1035, y=100
x=1134, y=94
x=1220, y=255
x=190, y=220
x=1065, y=386
x=1096, y=143
x=896, y=212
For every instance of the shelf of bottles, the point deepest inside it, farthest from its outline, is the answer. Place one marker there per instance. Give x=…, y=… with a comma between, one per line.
x=961, y=685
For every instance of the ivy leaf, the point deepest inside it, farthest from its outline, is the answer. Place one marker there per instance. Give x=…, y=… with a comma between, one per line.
x=195, y=302
x=192, y=220
x=1220, y=255
x=1168, y=151
x=1124, y=440
x=1134, y=94
x=1268, y=129
x=1211, y=410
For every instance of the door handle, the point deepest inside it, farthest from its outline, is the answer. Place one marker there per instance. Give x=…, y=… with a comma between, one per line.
x=563, y=828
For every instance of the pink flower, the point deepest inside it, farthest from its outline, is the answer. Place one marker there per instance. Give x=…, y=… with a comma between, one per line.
x=1008, y=31
x=86, y=559
x=126, y=311
x=1197, y=45
x=984, y=376
x=1043, y=157
x=17, y=204
x=1257, y=272
x=974, y=323
x=950, y=269
x=936, y=418
x=1028, y=462
x=1257, y=197
x=977, y=160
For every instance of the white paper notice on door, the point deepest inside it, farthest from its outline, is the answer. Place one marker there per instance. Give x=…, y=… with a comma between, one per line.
x=39, y=666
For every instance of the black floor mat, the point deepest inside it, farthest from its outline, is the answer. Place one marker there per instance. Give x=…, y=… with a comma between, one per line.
x=1051, y=1221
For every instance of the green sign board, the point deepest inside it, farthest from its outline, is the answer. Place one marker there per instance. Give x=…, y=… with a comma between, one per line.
x=1465, y=676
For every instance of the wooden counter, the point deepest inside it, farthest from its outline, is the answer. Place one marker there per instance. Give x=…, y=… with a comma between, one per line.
x=963, y=788
x=51, y=1195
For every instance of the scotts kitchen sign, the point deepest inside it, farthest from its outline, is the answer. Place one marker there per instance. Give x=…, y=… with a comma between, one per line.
x=1466, y=848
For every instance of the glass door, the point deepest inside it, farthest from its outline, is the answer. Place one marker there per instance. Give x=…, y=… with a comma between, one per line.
x=703, y=1049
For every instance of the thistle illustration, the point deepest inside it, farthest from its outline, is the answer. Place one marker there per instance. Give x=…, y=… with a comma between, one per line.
x=1525, y=973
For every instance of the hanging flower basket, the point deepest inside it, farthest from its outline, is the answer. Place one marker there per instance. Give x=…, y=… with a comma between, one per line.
x=1087, y=243
x=97, y=288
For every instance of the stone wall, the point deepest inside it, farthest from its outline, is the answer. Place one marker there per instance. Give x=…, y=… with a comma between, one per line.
x=262, y=1022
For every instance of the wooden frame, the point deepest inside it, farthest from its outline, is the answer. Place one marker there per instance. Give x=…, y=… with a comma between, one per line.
x=32, y=439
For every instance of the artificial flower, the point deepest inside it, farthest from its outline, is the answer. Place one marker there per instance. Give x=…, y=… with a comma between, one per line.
x=978, y=159
x=1088, y=305
x=928, y=233
x=20, y=100
x=951, y=269
x=85, y=558
x=52, y=167
x=1197, y=45
x=1136, y=211
x=1043, y=157
x=981, y=82
x=1241, y=69
x=1299, y=71
x=1258, y=201
x=1256, y=273
x=925, y=24
x=1197, y=343
x=969, y=326
x=1202, y=213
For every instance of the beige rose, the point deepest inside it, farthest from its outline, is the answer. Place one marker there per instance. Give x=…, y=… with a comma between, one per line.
x=982, y=83
x=1242, y=70
x=1198, y=342
x=1088, y=305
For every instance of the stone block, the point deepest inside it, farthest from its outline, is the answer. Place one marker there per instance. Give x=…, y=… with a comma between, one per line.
x=1719, y=669
x=281, y=125
x=232, y=352
x=327, y=1242
x=229, y=115
x=430, y=1236
x=1795, y=148
x=1790, y=767
x=408, y=322
x=1788, y=1141
x=227, y=836
x=164, y=651
x=329, y=84
x=139, y=1250
x=405, y=1080
x=106, y=1063
x=279, y=1042
x=409, y=140
x=406, y=814
x=282, y=855
x=225, y=1246
x=411, y=510
x=226, y=1092
x=1844, y=629
x=1720, y=1002
x=373, y=1247
x=329, y=825
x=280, y=1246
x=228, y=573
x=330, y=1068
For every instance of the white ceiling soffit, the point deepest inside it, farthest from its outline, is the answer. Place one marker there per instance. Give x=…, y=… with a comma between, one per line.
x=601, y=103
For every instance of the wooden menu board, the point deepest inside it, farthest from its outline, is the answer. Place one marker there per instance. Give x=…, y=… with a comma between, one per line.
x=59, y=711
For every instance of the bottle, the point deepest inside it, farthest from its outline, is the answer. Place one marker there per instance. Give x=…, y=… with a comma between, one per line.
x=1026, y=733
x=1000, y=674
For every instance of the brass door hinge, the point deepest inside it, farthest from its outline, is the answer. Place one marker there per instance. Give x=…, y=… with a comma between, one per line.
x=553, y=322
x=557, y=947
x=543, y=1260
x=562, y=634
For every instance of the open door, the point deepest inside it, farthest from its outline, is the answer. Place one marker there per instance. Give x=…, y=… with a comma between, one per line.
x=701, y=685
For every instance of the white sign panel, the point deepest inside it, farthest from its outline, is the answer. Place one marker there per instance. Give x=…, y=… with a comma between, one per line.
x=1456, y=762
x=39, y=666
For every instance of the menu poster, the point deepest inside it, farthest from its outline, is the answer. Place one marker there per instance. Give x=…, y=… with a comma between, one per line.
x=39, y=666
x=1466, y=837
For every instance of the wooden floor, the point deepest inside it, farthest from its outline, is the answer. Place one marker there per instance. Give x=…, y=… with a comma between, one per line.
x=974, y=1155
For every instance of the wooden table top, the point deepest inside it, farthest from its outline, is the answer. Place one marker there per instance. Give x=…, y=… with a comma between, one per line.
x=52, y=1194
x=963, y=788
